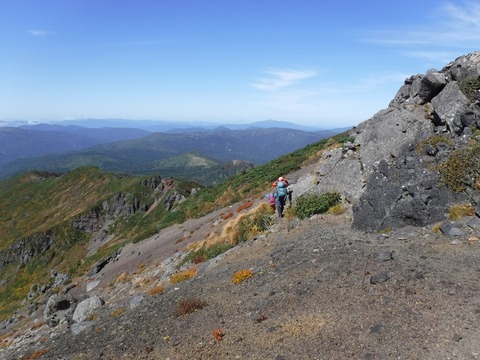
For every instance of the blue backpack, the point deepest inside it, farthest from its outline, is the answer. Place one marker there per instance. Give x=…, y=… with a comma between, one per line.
x=281, y=188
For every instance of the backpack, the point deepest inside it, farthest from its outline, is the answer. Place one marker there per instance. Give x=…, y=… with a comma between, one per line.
x=271, y=198
x=281, y=188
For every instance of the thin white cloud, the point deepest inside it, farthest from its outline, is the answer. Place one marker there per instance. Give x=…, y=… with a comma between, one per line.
x=455, y=26
x=464, y=17
x=282, y=78
x=443, y=57
x=41, y=33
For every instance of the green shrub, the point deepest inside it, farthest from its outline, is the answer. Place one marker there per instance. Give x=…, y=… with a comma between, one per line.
x=311, y=204
x=470, y=88
x=345, y=138
x=462, y=168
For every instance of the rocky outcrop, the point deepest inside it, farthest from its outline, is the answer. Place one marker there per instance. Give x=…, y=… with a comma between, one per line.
x=122, y=205
x=153, y=182
x=96, y=221
x=389, y=171
x=90, y=222
x=24, y=250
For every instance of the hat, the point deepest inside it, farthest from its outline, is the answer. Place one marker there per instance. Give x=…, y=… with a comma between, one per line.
x=281, y=178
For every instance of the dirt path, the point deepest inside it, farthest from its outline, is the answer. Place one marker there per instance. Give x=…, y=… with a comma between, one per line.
x=175, y=239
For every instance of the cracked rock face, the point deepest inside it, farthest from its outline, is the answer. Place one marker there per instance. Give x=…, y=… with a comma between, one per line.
x=389, y=173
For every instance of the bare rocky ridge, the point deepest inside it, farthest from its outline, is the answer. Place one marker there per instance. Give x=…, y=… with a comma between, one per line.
x=389, y=172
x=379, y=282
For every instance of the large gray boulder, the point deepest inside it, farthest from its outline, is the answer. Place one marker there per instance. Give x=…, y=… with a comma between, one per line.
x=449, y=104
x=58, y=310
x=87, y=307
x=431, y=85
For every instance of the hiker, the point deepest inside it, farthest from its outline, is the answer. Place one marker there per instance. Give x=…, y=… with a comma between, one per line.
x=271, y=199
x=281, y=185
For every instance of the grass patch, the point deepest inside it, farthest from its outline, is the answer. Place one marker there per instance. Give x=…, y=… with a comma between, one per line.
x=433, y=141
x=337, y=209
x=122, y=278
x=205, y=253
x=255, y=223
x=240, y=229
x=437, y=228
x=35, y=355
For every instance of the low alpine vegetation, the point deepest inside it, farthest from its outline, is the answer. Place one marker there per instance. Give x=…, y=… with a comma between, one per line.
x=205, y=253
x=241, y=276
x=470, y=88
x=311, y=204
x=462, y=168
x=255, y=223
x=157, y=289
x=337, y=209
x=242, y=228
x=189, y=306
x=183, y=275
x=117, y=312
x=457, y=212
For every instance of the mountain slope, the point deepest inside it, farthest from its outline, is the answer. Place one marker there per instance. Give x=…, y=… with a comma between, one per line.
x=51, y=221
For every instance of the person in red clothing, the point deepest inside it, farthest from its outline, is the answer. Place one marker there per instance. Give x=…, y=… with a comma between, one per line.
x=281, y=185
x=281, y=178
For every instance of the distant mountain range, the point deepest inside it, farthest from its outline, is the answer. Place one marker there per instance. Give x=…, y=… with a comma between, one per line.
x=164, y=126
x=63, y=147
x=33, y=141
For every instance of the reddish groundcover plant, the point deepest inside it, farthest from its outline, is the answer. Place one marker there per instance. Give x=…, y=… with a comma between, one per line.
x=218, y=334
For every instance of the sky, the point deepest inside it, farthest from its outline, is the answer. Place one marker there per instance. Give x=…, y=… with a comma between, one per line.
x=318, y=63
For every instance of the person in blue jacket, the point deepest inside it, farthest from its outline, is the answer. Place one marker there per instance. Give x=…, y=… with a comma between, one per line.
x=281, y=185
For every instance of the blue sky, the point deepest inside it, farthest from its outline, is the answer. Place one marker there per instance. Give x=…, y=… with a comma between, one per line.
x=322, y=63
